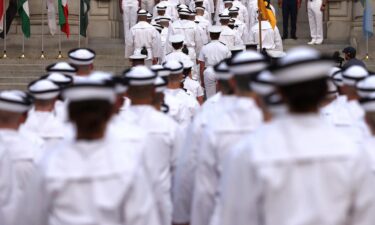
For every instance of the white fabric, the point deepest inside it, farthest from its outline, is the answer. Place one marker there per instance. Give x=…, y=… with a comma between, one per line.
x=161, y=151
x=271, y=38
x=194, y=87
x=239, y=117
x=190, y=31
x=289, y=173
x=209, y=81
x=103, y=183
x=169, y=12
x=230, y=37
x=315, y=16
x=213, y=52
x=142, y=35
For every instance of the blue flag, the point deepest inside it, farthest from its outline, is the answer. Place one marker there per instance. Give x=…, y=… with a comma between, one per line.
x=368, y=20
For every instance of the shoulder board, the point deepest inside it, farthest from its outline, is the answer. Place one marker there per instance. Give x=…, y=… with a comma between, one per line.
x=222, y=43
x=186, y=91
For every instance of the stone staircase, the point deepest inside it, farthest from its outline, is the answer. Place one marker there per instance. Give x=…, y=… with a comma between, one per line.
x=17, y=73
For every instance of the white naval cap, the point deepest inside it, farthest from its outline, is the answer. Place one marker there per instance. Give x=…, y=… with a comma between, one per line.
x=276, y=54
x=188, y=64
x=59, y=78
x=224, y=16
x=142, y=12
x=196, y=1
x=119, y=83
x=233, y=9
x=160, y=84
x=174, y=66
x=264, y=83
x=15, y=101
x=161, y=71
x=44, y=89
x=140, y=76
x=353, y=74
x=149, y=15
x=366, y=87
x=237, y=48
x=81, y=56
x=301, y=64
x=137, y=55
x=276, y=104
x=222, y=71
x=161, y=7
x=164, y=19
x=62, y=67
x=336, y=75
x=158, y=27
x=227, y=1
x=182, y=6
x=200, y=8
x=177, y=38
x=332, y=87
x=215, y=29
x=247, y=63
x=87, y=88
x=184, y=11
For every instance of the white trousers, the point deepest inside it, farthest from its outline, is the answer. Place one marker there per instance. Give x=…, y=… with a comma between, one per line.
x=148, y=5
x=130, y=18
x=315, y=19
x=209, y=81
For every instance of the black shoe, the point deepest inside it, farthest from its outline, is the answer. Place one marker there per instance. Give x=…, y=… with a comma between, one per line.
x=294, y=37
x=284, y=37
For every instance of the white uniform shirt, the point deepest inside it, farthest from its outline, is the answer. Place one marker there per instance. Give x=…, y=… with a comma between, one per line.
x=182, y=107
x=169, y=12
x=103, y=183
x=271, y=38
x=190, y=32
x=241, y=28
x=213, y=52
x=161, y=151
x=230, y=37
x=193, y=86
x=239, y=117
x=289, y=173
x=142, y=35
x=177, y=55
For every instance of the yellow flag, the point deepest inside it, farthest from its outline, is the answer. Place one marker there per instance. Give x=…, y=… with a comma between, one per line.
x=264, y=7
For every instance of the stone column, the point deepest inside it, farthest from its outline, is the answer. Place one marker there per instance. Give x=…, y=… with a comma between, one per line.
x=339, y=20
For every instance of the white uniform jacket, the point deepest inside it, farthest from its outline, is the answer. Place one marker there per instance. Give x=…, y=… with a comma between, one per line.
x=230, y=37
x=271, y=38
x=103, y=183
x=296, y=170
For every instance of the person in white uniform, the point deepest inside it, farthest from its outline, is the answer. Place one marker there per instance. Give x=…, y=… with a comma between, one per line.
x=271, y=39
x=239, y=117
x=240, y=25
x=104, y=182
x=42, y=119
x=144, y=37
x=128, y=9
x=189, y=30
x=63, y=68
x=182, y=105
x=18, y=161
x=162, y=135
x=83, y=60
x=315, y=10
x=190, y=83
x=180, y=51
x=210, y=55
x=261, y=178
x=228, y=36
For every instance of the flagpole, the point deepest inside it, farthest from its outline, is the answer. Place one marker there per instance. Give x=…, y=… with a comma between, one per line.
x=367, y=57
x=60, y=55
x=79, y=24
x=260, y=26
x=23, y=47
x=5, y=30
x=42, y=55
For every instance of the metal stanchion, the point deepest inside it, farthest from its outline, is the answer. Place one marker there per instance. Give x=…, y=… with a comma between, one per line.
x=42, y=56
x=5, y=31
x=23, y=47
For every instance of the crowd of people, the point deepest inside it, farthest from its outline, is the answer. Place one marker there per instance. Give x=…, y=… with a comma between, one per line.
x=281, y=140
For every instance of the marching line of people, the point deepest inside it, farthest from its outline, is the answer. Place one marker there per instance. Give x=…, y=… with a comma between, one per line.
x=282, y=139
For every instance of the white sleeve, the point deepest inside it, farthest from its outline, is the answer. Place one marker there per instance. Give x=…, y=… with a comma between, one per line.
x=201, y=56
x=140, y=206
x=129, y=46
x=363, y=205
x=239, y=179
x=200, y=91
x=206, y=182
x=156, y=45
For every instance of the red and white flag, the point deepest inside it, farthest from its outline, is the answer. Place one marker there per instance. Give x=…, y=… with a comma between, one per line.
x=2, y=9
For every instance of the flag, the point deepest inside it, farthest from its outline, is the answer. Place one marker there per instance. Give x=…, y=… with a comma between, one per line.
x=368, y=20
x=84, y=20
x=63, y=17
x=264, y=7
x=1, y=15
x=24, y=12
x=51, y=12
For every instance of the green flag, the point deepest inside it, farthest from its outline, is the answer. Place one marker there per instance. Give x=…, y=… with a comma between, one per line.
x=24, y=12
x=84, y=20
